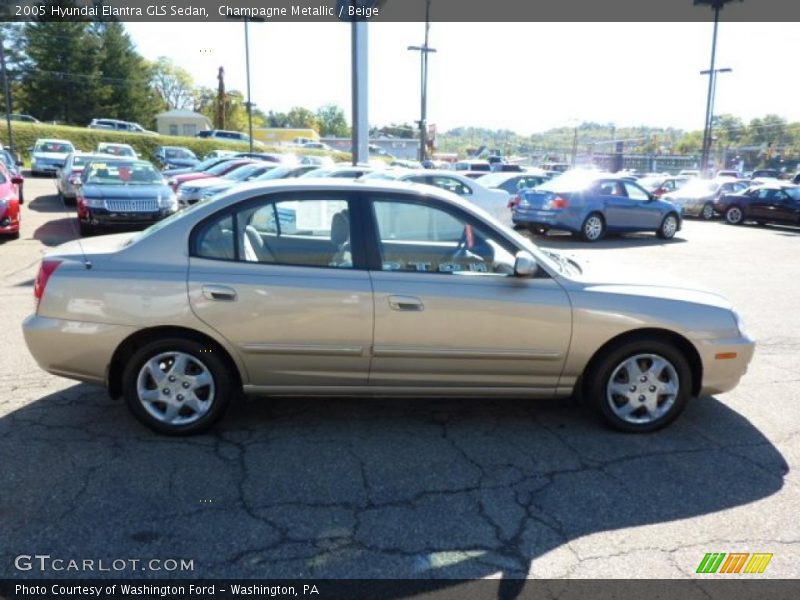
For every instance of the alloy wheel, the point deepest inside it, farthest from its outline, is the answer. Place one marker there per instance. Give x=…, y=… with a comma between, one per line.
x=642, y=388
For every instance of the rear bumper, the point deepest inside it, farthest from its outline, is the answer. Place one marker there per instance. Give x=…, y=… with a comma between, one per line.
x=73, y=349
x=724, y=363
x=545, y=218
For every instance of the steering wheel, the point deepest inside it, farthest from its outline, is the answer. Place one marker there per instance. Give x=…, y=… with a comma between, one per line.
x=463, y=254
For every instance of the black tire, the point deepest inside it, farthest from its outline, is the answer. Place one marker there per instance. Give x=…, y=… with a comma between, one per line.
x=86, y=229
x=708, y=212
x=668, y=227
x=600, y=372
x=69, y=201
x=589, y=231
x=734, y=215
x=200, y=354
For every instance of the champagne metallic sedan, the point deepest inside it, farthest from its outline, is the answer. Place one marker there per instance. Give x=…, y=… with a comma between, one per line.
x=333, y=287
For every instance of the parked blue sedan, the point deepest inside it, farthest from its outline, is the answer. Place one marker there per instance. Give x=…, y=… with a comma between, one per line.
x=592, y=205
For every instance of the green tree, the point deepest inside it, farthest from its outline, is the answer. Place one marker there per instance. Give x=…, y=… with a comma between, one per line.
x=332, y=121
x=126, y=75
x=63, y=80
x=302, y=118
x=173, y=84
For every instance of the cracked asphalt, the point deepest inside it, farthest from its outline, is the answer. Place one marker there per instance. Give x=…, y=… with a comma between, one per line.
x=344, y=488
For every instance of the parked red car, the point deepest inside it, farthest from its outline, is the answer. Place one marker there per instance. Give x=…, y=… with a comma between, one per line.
x=9, y=202
x=216, y=171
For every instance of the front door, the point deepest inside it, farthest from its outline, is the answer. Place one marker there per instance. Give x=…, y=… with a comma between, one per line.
x=448, y=310
x=276, y=276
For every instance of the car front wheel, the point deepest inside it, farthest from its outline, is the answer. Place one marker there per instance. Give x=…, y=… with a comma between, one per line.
x=668, y=227
x=734, y=215
x=177, y=386
x=640, y=386
x=708, y=211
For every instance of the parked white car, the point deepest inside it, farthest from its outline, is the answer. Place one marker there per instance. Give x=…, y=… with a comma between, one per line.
x=495, y=202
x=49, y=155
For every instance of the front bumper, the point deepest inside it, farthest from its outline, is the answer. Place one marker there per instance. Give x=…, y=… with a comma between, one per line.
x=104, y=217
x=9, y=224
x=74, y=349
x=724, y=363
x=45, y=167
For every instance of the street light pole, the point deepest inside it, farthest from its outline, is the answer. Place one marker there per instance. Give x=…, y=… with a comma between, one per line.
x=6, y=92
x=424, y=50
x=716, y=5
x=708, y=138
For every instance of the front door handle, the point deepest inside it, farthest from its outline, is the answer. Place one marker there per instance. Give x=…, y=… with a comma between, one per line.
x=409, y=303
x=219, y=292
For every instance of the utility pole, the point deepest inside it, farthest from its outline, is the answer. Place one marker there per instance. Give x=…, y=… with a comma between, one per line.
x=424, y=50
x=6, y=92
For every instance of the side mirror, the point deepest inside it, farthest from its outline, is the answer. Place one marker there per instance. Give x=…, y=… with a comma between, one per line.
x=525, y=265
x=17, y=180
x=75, y=180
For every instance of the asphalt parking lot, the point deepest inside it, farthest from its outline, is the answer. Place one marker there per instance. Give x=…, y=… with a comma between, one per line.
x=416, y=489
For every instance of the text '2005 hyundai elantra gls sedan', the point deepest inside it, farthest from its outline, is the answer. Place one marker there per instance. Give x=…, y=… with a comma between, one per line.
x=334, y=287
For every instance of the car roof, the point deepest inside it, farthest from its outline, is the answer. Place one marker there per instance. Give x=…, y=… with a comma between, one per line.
x=53, y=140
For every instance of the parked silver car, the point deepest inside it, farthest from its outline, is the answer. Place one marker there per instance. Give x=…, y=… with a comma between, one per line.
x=332, y=287
x=68, y=176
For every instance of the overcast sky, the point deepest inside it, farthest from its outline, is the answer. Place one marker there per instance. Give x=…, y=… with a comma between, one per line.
x=527, y=77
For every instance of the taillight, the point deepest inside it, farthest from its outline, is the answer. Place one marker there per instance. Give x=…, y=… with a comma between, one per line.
x=45, y=270
x=514, y=201
x=559, y=202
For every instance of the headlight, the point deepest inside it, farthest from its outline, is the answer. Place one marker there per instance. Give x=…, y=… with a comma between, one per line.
x=94, y=202
x=3, y=203
x=170, y=201
x=740, y=324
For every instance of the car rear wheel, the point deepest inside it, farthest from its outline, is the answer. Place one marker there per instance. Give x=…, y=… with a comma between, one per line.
x=734, y=215
x=177, y=386
x=640, y=386
x=668, y=227
x=593, y=228
x=708, y=211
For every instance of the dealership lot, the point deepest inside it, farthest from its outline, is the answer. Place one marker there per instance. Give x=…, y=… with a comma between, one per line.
x=404, y=488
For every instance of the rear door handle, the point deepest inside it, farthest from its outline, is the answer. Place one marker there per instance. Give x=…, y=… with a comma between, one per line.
x=219, y=292
x=409, y=303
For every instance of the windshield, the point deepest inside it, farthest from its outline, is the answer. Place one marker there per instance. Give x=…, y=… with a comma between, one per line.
x=651, y=183
x=699, y=188
x=81, y=160
x=569, y=182
x=116, y=150
x=159, y=225
x=60, y=147
x=206, y=164
x=118, y=173
x=178, y=153
x=244, y=172
x=276, y=173
x=494, y=179
x=223, y=167
x=317, y=173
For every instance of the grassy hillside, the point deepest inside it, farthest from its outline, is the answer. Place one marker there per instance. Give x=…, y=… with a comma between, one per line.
x=26, y=134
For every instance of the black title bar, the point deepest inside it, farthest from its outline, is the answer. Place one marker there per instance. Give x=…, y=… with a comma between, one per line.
x=404, y=11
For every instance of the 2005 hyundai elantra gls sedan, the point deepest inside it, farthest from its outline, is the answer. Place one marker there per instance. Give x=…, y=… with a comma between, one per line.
x=332, y=287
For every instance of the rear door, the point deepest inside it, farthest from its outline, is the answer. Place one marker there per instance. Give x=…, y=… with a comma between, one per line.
x=279, y=277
